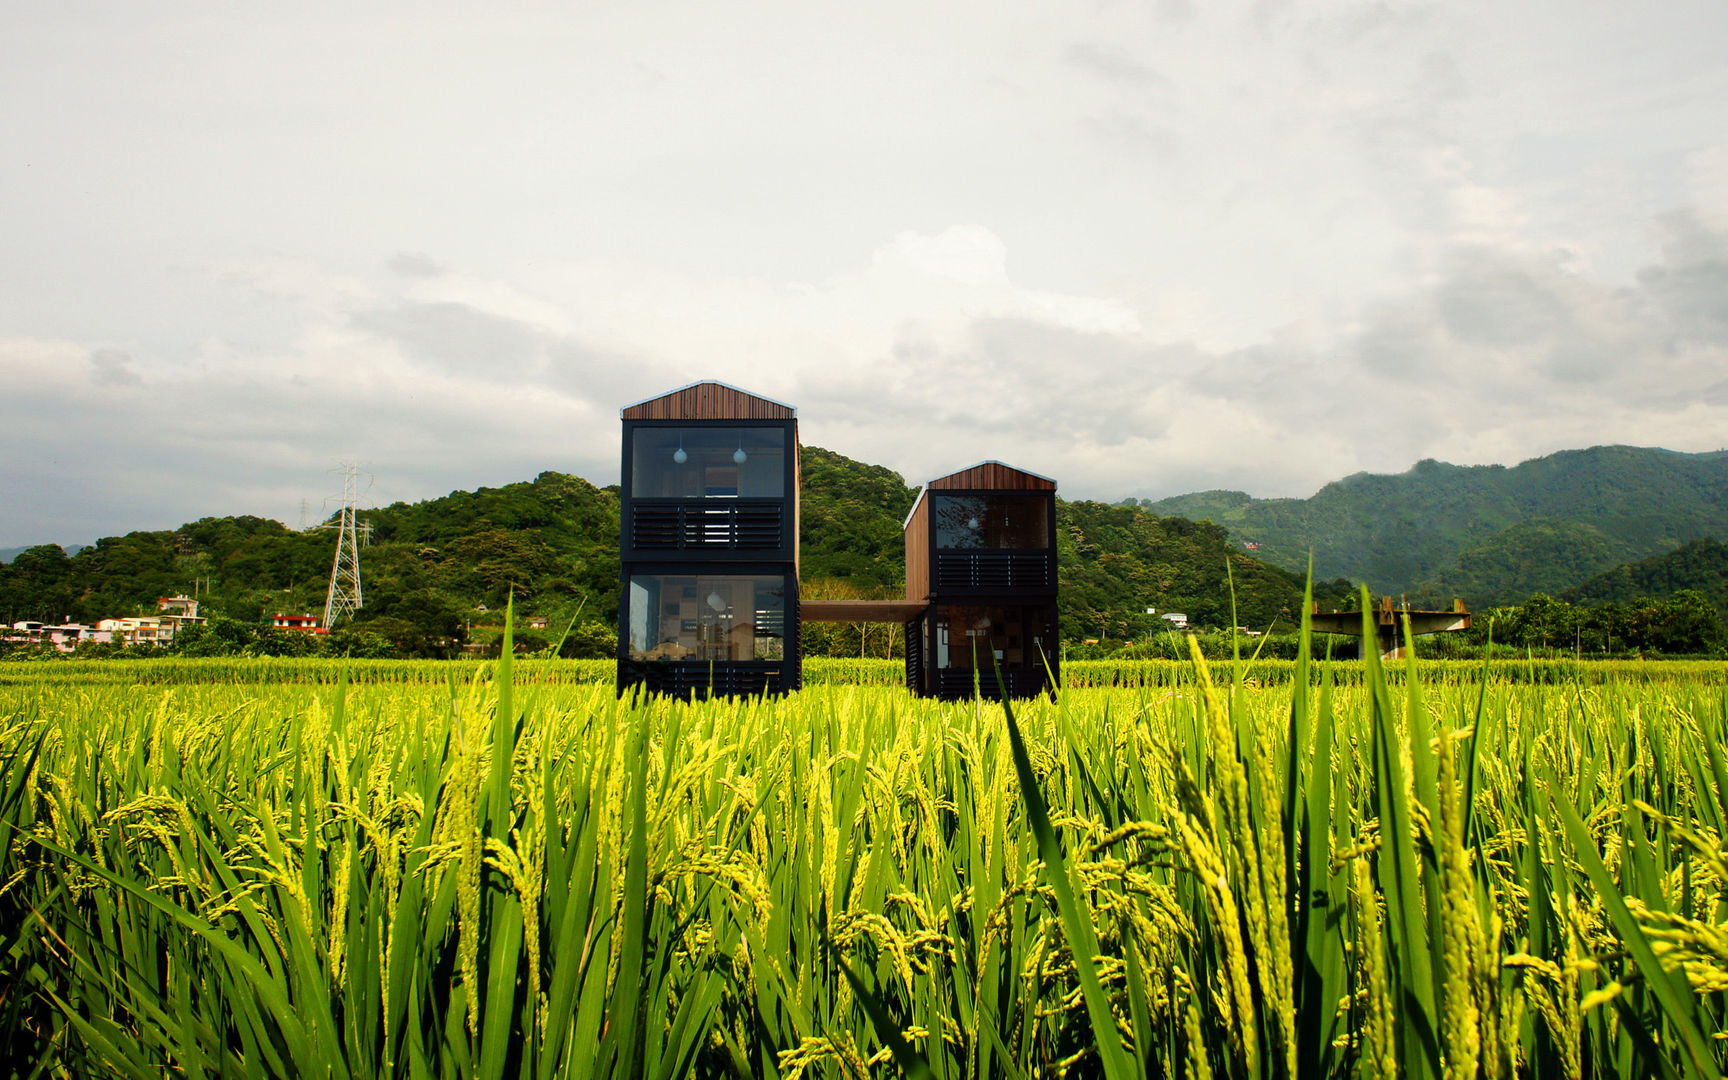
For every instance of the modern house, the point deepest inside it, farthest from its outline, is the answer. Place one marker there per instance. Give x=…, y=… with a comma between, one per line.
x=981, y=559
x=708, y=544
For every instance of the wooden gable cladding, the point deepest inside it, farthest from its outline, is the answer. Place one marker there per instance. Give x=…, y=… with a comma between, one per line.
x=992, y=476
x=709, y=401
x=918, y=550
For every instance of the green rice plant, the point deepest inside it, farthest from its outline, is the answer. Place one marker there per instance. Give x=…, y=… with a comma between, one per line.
x=504, y=869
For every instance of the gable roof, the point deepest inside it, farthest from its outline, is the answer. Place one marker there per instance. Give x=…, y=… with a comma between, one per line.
x=708, y=400
x=992, y=476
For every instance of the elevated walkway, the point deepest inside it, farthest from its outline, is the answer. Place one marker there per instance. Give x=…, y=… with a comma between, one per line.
x=870, y=611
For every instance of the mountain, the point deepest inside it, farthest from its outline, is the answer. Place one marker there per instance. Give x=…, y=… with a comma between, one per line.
x=1701, y=565
x=851, y=522
x=1539, y=555
x=1400, y=533
x=443, y=566
x=432, y=563
x=8, y=554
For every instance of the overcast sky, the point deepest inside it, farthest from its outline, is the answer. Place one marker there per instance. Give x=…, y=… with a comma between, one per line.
x=1144, y=248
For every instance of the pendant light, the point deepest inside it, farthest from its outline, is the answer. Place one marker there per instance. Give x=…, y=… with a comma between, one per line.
x=679, y=455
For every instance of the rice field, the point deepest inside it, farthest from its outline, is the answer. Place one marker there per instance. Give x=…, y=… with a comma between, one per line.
x=260, y=869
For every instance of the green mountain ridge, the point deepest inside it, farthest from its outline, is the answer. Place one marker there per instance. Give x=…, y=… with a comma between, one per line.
x=1436, y=525
x=440, y=569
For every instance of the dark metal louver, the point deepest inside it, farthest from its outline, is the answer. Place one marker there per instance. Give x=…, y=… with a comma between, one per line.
x=680, y=526
x=992, y=570
x=702, y=680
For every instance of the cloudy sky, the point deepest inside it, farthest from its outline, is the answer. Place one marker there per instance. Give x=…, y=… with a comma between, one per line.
x=1145, y=248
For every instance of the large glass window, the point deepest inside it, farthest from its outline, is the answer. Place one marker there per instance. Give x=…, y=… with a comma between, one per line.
x=1014, y=637
x=707, y=617
x=708, y=462
x=995, y=520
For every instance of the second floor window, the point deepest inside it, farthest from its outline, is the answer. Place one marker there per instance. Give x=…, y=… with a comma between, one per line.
x=994, y=520
x=708, y=463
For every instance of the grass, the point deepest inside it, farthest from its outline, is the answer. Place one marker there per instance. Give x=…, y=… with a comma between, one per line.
x=229, y=869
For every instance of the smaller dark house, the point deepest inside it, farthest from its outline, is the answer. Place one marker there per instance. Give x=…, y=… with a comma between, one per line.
x=709, y=544
x=981, y=555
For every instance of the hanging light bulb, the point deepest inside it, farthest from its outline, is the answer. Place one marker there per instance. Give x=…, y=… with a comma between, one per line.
x=739, y=455
x=679, y=455
x=972, y=523
x=715, y=602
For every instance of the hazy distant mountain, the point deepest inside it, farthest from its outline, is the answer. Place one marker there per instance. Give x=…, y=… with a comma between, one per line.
x=1440, y=523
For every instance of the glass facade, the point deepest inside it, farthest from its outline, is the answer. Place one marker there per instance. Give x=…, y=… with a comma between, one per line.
x=1015, y=636
x=708, y=462
x=707, y=616
x=994, y=520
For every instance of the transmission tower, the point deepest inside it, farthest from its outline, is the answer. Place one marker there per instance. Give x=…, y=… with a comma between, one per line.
x=344, y=597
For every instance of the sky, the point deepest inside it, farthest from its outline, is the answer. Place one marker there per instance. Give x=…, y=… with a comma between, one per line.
x=1143, y=248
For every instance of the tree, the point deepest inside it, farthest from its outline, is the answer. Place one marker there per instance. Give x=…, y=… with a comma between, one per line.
x=37, y=585
x=1544, y=621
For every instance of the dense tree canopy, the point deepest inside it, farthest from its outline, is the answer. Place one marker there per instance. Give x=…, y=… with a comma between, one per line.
x=439, y=572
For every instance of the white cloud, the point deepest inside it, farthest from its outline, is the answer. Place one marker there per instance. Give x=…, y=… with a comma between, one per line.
x=1141, y=248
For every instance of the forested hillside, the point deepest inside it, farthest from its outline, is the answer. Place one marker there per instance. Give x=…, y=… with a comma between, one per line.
x=1401, y=533
x=1116, y=561
x=1701, y=566
x=440, y=570
x=1541, y=555
x=431, y=571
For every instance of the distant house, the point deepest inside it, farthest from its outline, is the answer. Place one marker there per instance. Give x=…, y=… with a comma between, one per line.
x=1176, y=617
x=141, y=629
x=178, y=607
x=537, y=622
x=63, y=636
x=305, y=624
x=177, y=611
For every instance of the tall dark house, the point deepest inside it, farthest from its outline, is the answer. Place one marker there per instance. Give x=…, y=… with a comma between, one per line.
x=981, y=555
x=709, y=544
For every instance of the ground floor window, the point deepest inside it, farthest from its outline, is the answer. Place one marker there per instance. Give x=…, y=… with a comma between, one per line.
x=707, y=616
x=1013, y=636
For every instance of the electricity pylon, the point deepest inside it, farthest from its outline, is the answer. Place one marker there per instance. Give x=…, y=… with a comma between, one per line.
x=344, y=597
